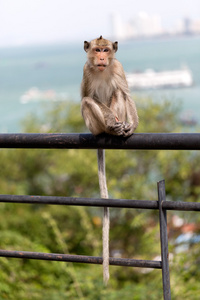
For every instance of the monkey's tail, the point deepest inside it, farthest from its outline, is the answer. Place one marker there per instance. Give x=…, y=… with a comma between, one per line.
x=106, y=217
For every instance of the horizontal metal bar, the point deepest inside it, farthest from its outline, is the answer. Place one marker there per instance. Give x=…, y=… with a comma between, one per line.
x=179, y=205
x=82, y=259
x=99, y=202
x=148, y=141
x=54, y=200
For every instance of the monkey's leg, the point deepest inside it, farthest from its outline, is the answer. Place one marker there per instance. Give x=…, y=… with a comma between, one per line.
x=92, y=115
x=106, y=217
x=100, y=118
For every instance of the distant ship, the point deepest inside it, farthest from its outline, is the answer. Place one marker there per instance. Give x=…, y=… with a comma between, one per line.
x=35, y=94
x=151, y=79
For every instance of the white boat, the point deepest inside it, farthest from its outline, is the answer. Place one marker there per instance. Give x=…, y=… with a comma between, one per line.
x=35, y=94
x=151, y=79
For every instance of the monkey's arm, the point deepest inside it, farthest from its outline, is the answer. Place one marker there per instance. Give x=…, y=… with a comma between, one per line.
x=131, y=117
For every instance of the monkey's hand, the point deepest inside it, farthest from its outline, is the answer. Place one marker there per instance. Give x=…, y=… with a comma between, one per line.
x=116, y=129
x=113, y=126
x=128, y=129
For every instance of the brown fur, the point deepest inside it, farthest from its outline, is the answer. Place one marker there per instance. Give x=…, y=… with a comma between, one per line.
x=106, y=107
x=106, y=89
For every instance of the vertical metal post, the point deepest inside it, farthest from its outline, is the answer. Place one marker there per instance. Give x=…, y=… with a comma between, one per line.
x=164, y=241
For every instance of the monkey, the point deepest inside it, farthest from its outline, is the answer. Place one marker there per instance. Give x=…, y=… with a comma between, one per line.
x=106, y=107
x=106, y=103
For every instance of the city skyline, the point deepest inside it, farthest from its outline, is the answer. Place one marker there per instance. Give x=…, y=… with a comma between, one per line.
x=30, y=22
x=144, y=25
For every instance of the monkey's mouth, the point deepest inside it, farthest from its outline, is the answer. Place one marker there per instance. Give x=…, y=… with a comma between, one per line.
x=101, y=67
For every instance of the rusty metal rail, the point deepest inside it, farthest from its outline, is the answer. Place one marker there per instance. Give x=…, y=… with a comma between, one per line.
x=98, y=202
x=146, y=141
x=82, y=259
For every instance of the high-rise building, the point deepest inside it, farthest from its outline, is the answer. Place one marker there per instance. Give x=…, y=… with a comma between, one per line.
x=141, y=25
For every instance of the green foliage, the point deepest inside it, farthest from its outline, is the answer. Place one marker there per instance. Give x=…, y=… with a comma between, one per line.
x=77, y=230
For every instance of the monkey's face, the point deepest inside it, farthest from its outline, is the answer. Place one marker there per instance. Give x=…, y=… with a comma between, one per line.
x=100, y=53
x=101, y=57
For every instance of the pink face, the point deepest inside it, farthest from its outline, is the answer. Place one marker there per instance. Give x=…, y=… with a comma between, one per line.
x=101, y=57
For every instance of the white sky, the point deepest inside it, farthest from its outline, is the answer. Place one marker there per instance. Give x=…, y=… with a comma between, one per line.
x=24, y=22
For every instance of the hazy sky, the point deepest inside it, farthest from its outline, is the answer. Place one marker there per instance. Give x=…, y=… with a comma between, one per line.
x=41, y=21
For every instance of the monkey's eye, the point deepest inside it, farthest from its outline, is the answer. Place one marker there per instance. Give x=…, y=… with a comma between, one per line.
x=98, y=50
x=105, y=50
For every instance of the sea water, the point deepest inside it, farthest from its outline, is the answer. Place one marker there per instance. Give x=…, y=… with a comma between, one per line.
x=31, y=75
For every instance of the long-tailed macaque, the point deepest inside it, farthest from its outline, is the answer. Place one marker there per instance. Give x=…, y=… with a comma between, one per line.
x=106, y=108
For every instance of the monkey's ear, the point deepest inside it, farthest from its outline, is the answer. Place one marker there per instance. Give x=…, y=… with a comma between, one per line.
x=115, y=46
x=86, y=46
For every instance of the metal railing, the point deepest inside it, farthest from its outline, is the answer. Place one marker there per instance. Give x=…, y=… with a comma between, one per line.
x=172, y=141
x=146, y=141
